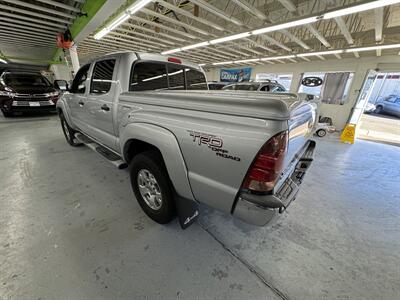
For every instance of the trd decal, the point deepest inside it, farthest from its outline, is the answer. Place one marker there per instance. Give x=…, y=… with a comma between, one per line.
x=213, y=142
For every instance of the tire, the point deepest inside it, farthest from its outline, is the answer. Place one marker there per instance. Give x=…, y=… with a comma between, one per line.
x=7, y=114
x=321, y=132
x=152, y=186
x=68, y=132
x=378, y=110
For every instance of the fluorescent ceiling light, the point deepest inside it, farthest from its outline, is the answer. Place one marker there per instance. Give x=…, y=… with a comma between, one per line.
x=378, y=47
x=118, y=21
x=246, y=60
x=101, y=33
x=320, y=53
x=278, y=57
x=171, y=51
x=201, y=65
x=359, y=8
x=195, y=46
x=138, y=5
x=3, y=61
x=286, y=25
x=135, y=7
x=309, y=20
x=230, y=38
x=223, y=63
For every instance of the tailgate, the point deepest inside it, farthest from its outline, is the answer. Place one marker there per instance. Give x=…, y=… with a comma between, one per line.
x=302, y=119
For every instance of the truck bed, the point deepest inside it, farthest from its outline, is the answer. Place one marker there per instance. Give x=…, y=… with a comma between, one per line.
x=261, y=105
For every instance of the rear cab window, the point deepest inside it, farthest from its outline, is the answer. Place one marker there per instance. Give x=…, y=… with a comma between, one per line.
x=155, y=76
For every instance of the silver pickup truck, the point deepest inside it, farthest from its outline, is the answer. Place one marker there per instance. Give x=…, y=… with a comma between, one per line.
x=244, y=153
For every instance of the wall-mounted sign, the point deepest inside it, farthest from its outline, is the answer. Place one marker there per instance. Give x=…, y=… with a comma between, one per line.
x=312, y=81
x=235, y=75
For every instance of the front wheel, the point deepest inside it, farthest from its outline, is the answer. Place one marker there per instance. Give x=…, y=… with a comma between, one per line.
x=69, y=133
x=378, y=110
x=152, y=187
x=321, y=132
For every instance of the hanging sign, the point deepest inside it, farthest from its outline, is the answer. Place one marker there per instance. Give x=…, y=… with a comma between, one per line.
x=235, y=75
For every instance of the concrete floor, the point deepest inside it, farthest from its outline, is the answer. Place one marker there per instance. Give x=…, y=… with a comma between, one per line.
x=71, y=229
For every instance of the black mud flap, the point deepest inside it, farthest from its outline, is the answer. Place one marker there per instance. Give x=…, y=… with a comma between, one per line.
x=187, y=211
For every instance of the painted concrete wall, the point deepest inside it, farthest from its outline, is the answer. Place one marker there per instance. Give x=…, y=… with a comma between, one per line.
x=61, y=72
x=360, y=66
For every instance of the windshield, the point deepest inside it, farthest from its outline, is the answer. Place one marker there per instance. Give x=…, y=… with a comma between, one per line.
x=25, y=80
x=242, y=87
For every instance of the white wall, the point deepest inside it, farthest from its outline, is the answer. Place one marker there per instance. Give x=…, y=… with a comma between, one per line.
x=61, y=72
x=360, y=66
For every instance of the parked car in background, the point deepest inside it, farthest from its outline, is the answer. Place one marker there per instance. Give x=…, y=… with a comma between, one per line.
x=24, y=92
x=217, y=85
x=265, y=86
x=369, y=108
x=389, y=105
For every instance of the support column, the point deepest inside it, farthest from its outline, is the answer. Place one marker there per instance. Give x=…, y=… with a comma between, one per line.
x=74, y=59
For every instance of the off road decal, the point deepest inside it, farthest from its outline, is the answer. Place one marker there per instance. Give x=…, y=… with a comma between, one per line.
x=213, y=142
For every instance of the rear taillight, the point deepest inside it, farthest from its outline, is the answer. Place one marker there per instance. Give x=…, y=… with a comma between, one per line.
x=268, y=164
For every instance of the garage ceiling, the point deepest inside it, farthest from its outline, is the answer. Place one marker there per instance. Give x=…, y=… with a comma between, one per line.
x=28, y=28
x=167, y=24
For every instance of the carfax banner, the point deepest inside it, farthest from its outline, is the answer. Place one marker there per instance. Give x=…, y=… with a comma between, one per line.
x=235, y=75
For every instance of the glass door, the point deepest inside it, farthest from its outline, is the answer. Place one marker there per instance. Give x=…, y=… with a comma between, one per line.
x=363, y=97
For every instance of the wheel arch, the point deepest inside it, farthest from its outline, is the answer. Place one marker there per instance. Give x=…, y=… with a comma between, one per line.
x=139, y=137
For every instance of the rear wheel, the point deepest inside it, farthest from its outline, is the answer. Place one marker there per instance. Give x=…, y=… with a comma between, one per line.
x=7, y=114
x=378, y=109
x=152, y=187
x=69, y=133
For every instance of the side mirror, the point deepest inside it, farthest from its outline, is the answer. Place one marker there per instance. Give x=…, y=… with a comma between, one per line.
x=61, y=85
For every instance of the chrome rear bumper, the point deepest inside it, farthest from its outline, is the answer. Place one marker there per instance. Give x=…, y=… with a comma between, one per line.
x=260, y=209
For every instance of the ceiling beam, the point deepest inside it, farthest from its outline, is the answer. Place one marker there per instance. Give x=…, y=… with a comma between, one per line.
x=29, y=19
x=174, y=21
x=250, y=9
x=318, y=35
x=28, y=28
x=29, y=33
x=167, y=28
x=295, y=39
x=288, y=4
x=378, y=13
x=34, y=14
x=146, y=36
x=218, y=12
x=61, y=5
x=275, y=42
x=152, y=31
x=41, y=8
x=345, y=31
x=189, y=15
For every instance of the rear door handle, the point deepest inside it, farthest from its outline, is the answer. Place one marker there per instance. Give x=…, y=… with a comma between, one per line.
x=81, y=103
x=105, y=107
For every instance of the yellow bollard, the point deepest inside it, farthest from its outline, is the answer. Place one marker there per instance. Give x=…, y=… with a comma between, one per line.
x=348, y=134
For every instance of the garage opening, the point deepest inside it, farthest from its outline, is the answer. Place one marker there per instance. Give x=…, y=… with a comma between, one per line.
x=380, y=101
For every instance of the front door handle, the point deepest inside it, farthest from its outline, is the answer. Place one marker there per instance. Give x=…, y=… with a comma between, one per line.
x=105, y=107
x=81, y=103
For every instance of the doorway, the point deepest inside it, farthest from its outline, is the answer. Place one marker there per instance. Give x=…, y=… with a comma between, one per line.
x=377, y=111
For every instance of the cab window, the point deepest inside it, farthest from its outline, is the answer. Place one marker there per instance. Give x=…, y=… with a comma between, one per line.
x=195, y=80
x=148, y=76
x=102, y=76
